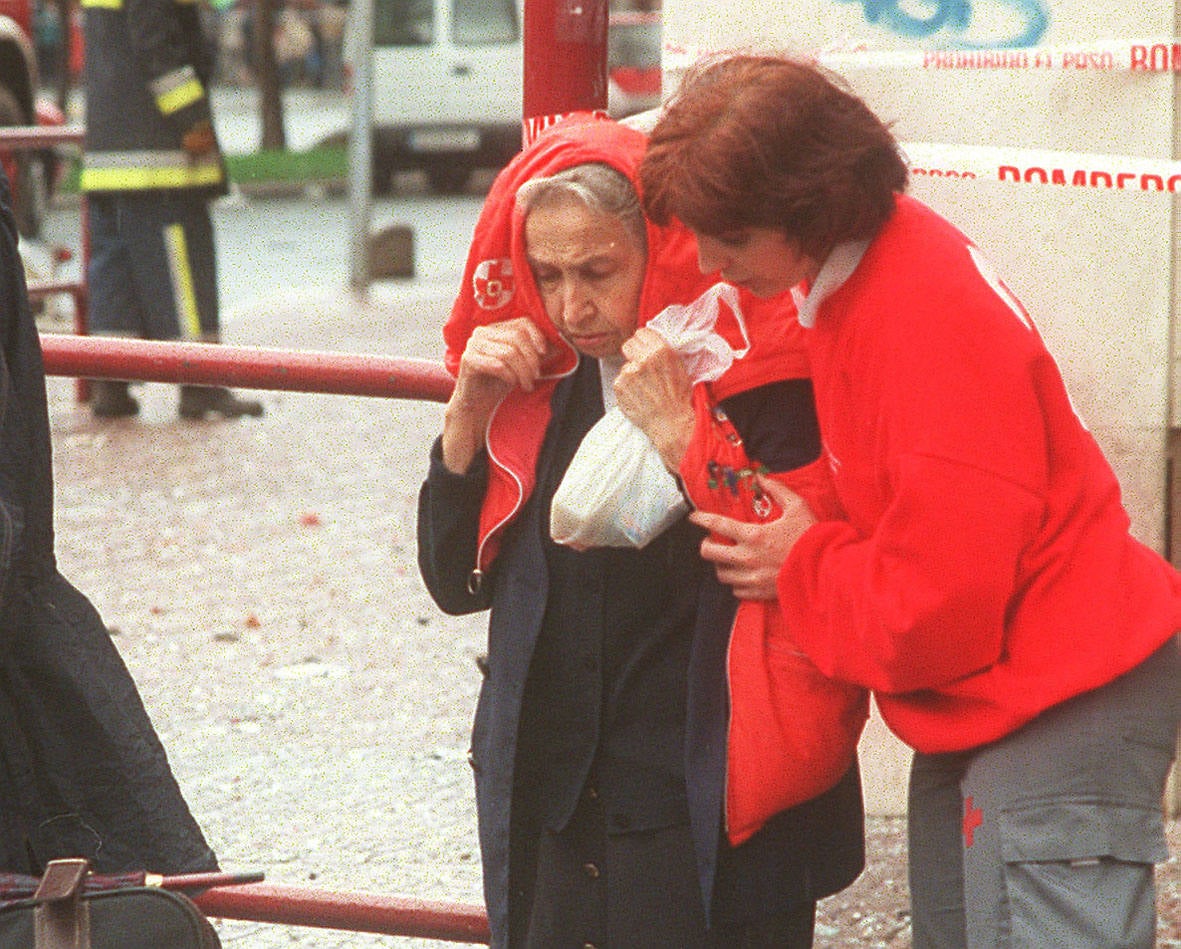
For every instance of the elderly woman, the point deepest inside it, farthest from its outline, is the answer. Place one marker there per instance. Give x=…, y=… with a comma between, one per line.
x=599, y=740
x=982, y=580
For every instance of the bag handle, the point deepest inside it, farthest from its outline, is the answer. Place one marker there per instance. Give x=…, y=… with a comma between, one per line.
x=61, y=919
x=690, y=329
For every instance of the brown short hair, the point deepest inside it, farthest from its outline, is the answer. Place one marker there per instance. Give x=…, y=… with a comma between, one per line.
x=769, y=141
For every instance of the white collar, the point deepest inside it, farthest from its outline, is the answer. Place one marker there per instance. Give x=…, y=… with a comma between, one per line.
x=837, y=268
x=609, y=367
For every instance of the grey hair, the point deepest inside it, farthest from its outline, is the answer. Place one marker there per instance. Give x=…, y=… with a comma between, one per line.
x=598, y=186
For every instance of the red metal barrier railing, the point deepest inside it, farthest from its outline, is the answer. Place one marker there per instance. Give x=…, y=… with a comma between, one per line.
x=302, y=371
x=98, y=357
x=18, y=137
x=40, y=136
x=354, y=912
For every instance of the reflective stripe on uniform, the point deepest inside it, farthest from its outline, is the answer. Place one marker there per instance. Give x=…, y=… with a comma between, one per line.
x=143, y=170
x=135, y=158
x=184, y=295
x=147, y=179
x=177, y=89
x=118, y=4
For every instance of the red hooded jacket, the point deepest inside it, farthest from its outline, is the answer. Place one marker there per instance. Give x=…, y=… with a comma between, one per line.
x=497, y=286
x=793, y=733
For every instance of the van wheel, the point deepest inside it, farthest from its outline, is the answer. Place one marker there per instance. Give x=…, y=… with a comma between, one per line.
x=449, y=178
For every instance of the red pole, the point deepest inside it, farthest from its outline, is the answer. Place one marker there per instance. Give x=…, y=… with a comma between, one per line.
x=565, y=69
x=354, y=912
x=248, y=367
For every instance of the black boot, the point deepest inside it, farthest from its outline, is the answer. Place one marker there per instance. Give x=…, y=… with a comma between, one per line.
x=198, y=401
x=110, y=399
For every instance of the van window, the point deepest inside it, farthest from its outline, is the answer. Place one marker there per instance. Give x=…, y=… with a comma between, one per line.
x=476, y=22
x=403, y=23
x=633, y=44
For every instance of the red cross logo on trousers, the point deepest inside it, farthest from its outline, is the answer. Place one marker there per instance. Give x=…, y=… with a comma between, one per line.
x=493, y=283
x=973, y=818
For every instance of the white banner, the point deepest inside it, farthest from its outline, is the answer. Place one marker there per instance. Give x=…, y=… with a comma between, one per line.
x=1150, y=55
x=1042, y=167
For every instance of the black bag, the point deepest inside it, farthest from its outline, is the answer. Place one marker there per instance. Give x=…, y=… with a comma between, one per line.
x=63, y=916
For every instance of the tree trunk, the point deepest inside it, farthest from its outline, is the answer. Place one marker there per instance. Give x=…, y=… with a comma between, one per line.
x=65, y=57
x=270, y=91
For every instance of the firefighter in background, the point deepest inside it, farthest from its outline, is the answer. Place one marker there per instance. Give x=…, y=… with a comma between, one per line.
x=151, y=166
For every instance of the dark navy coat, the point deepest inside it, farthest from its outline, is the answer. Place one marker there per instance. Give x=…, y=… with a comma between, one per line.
x=82, y=772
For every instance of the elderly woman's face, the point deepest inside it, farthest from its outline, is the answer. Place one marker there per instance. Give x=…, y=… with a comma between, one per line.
x=761, y=259
x=589, y=269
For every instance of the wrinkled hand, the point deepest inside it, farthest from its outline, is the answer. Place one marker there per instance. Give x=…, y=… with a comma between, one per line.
x=748, y=557
x=655, y=393
x=200, y=140
x=500, y=357
x=497, y=359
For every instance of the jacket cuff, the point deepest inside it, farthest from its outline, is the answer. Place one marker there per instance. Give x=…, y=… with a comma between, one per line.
x=472, y=482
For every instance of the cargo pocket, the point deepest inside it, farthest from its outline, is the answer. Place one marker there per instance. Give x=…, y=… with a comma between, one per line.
x=1079, y=874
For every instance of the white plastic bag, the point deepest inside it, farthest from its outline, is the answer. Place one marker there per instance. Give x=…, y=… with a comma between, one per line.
x=617, y=491
x=689, y=330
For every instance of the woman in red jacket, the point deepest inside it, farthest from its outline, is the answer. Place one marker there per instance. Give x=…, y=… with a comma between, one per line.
x=983, y=581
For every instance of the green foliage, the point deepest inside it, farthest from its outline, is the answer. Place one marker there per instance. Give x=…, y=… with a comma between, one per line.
x=317, y=164
x=323, y=163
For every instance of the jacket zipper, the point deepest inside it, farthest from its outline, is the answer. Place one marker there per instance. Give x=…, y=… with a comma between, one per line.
x=475, y=579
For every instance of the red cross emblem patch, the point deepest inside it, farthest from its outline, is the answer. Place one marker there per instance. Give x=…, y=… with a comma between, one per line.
x=492, y=283
x=973, y=818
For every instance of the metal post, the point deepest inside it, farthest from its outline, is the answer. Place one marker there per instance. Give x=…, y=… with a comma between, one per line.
x=360, y=144
x=82, y=299
x=565, y=69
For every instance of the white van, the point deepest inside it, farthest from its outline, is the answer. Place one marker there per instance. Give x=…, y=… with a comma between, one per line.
x=446, y=88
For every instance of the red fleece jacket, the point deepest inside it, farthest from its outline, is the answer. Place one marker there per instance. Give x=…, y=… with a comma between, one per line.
x=793, y=731
x=985, y=571
x=498, y=285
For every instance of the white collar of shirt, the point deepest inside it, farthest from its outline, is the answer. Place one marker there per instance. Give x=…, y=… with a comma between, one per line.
x=608, y=369
x=837, y=268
